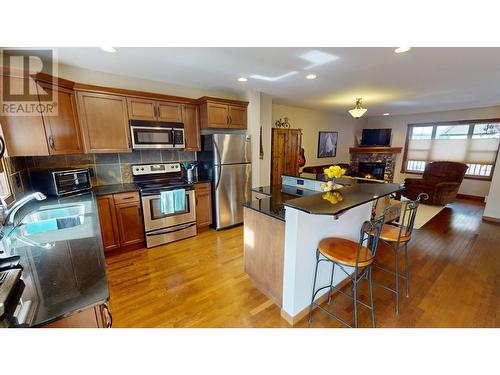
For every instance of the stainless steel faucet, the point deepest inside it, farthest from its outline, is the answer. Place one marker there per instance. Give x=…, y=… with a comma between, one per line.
x=10, y=213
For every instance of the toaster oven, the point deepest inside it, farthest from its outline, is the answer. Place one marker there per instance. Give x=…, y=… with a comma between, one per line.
x=61, y=181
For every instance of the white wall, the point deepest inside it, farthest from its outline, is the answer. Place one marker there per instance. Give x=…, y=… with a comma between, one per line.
x=492, y=209
x=399, y=125
x=311, y=122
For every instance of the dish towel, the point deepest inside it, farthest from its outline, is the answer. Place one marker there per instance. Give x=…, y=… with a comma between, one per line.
x=179, y=200
x=172, y=201
x=167, y=202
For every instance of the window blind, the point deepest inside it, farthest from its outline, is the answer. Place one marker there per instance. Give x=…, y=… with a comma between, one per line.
x=454, y=143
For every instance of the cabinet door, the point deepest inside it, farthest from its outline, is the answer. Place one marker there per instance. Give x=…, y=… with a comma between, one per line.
x=191, y=127
x=104, y=121
x=63, y=130
x=141, y=109
x=24, y=135
x=292, y=151
x=203, y=205
x=218, y=115
x=107, y=220
x=278, y=157
x=237, y=117
x=130, y=225
x=168, y=111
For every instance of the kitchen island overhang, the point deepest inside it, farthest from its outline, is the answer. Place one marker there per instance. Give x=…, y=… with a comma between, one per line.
x=307, y=220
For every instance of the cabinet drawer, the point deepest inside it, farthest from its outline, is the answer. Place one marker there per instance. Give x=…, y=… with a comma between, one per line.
x=202, y=187
x=132, y=196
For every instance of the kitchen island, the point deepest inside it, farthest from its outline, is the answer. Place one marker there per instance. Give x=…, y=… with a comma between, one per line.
x=282, y=232
x=64, y=275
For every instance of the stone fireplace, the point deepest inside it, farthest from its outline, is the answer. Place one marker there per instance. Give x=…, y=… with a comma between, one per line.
x=374, y=162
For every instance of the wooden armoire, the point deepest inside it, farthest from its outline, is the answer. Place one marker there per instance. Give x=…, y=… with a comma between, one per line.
x=285, y=152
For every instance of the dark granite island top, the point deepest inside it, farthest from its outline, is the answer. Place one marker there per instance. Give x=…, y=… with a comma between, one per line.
x=64, y=269
x=355, y=193
x=278, y=195
x=348, y=197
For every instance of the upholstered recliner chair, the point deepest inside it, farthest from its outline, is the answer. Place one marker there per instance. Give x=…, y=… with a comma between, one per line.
x=441, y=181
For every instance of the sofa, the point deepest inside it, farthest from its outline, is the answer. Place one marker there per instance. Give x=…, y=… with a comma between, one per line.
x=441, y=181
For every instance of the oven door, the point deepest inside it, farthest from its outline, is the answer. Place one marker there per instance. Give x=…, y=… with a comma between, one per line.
x=151, y=137
x=154, y=219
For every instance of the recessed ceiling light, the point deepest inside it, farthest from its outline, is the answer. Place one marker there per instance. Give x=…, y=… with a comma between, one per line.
x=108, y=49
x=311, y=76
x=402, y=49
x=386, y=114
x=242, y=79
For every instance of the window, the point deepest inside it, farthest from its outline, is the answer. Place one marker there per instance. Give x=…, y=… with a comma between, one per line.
x=475, y=143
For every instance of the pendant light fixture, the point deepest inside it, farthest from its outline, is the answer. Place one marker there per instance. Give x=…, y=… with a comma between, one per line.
x=357, y=111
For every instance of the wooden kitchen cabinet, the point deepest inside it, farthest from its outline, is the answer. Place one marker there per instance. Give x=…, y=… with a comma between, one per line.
x=62, y=131
x=24, y=135
x=223, y=113
x=285, y=152
x=203, y=193
x=130, y=224
x=154, y=110
x=93, y=317
x=120, y=217
x=104, y=121
x=237, y=117
x=191, y=120
x=108, y=222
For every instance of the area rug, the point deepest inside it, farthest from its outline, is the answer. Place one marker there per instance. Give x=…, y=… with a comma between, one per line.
x=425, y=213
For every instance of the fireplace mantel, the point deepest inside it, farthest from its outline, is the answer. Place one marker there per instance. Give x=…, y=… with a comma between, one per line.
x=375, y=150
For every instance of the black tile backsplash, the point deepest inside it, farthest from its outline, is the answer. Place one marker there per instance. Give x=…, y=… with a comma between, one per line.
x=108, y=169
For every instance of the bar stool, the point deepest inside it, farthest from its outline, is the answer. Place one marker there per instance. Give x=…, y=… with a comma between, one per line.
x=397, y=235
x=346, y=253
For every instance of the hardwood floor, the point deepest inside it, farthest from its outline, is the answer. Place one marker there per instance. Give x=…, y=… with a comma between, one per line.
x=199, y=282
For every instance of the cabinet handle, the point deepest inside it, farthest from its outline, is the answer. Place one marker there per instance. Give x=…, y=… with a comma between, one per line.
x=227, y=119
x=230, y=120
x=51, y=142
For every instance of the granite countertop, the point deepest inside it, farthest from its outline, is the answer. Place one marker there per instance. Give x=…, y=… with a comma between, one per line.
x=278, y=195
x=353, y=194
x=348, y=197
x=115, y=188
x=64, y=270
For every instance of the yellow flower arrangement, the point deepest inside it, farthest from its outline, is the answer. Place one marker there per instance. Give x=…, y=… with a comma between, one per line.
x=334, y=171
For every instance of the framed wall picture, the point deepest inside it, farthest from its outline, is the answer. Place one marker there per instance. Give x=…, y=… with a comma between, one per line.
x=327, y=144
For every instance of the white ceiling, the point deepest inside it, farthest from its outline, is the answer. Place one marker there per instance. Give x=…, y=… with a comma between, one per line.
x=421, y=80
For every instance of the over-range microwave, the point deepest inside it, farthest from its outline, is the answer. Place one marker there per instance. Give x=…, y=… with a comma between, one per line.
x=155, y=134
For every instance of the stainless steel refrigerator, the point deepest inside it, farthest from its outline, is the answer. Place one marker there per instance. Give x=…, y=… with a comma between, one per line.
x=226, y=160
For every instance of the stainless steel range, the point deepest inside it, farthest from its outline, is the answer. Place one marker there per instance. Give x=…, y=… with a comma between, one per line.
x=164, y=228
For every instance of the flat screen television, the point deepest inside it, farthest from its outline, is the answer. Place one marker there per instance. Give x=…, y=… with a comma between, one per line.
x=376, y=137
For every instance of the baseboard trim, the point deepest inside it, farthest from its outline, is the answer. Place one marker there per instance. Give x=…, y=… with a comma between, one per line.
x=491, y=219
x=471, y=197
x=294, y=320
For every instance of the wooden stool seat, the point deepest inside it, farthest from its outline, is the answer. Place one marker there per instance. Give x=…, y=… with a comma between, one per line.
x=344, y=251
x=390, y=233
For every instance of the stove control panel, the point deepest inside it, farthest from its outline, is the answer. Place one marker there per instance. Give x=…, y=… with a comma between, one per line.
x=145, y=169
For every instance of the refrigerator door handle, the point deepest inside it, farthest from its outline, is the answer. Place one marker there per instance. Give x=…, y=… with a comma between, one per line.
x=218, y=173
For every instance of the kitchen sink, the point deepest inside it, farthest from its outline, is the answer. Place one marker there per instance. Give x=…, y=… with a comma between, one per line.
x=47, y=219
